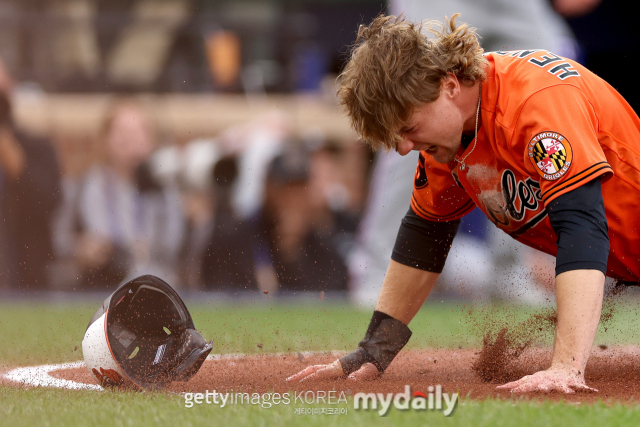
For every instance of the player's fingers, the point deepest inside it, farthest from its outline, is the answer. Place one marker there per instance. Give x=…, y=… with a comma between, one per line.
x=566, y=389
x=508, y=386
x=524, y=388
x=545, y=387
x=585, y=388
x=513, y=384
x=367, y=372
x=305, y=372
x=531, y=384
x=329, y=372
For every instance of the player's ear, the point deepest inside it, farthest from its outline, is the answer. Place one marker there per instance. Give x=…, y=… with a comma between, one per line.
x=450, y=86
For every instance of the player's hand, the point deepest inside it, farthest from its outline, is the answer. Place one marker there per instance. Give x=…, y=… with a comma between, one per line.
x=368, y=371
x=562, y=379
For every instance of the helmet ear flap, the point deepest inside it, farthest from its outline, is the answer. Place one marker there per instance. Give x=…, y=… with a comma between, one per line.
x=191, y=355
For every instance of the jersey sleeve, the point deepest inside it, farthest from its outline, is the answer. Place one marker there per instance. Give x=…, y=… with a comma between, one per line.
x=436, y=195
x=557, y=132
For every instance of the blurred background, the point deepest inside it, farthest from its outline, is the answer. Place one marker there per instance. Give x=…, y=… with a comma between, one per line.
x=201, y=141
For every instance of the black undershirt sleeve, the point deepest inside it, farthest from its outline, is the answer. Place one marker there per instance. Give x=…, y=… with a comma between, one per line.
x=579, y=220
x=424, y=244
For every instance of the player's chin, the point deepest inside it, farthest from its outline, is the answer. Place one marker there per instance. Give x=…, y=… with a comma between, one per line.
x=442, y=156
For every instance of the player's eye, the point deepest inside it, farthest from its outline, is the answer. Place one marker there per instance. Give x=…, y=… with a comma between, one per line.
x=409, y=130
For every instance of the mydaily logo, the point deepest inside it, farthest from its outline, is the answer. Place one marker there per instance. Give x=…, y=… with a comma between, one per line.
x=418, y=401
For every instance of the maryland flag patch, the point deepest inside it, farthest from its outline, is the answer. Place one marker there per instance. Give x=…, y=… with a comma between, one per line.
x=551, y=155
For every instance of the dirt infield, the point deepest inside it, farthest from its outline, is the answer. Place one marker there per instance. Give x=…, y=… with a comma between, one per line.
x=615, y=372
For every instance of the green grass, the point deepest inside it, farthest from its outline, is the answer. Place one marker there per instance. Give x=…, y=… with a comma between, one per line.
x=33, y=334
x=38, y=333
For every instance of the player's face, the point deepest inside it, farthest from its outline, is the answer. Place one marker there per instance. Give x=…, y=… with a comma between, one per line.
x=434, y=127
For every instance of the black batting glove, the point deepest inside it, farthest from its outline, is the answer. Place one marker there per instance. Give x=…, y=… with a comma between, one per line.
x=384, y=339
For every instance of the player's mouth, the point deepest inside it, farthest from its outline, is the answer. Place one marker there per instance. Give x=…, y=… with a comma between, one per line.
x=431, y=149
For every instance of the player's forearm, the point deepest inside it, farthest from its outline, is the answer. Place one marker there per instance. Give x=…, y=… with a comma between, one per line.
x=579, y=296
x=404, y=290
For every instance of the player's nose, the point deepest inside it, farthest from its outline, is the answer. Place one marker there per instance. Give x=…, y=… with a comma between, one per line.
x=404, y=146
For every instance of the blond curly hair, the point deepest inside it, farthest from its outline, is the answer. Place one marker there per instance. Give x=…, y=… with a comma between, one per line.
x=394, y=67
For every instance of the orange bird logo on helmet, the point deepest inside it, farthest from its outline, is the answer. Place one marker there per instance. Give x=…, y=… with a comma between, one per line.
x=108, y=377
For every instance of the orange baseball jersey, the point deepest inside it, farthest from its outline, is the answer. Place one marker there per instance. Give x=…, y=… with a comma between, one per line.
x=549, y=125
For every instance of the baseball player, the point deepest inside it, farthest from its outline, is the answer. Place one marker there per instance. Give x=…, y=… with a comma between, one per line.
x=545, y=148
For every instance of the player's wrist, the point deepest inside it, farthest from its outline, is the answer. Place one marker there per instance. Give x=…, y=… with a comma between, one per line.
x=572, y=364
x=567, y=369
x=354, y=360
x=384, y=339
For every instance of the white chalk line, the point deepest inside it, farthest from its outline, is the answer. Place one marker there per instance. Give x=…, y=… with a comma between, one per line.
x=39, y=376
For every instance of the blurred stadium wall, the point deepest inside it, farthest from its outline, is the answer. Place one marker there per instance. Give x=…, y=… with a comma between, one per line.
x=200, y=66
